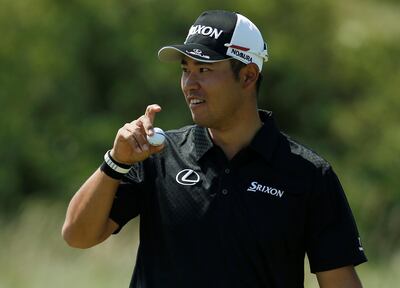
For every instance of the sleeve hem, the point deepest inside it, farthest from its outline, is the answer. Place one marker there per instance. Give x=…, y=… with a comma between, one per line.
x=326, y=267
x=120, y=224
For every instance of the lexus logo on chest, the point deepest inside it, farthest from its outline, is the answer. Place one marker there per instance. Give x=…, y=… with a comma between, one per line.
x=187, y=177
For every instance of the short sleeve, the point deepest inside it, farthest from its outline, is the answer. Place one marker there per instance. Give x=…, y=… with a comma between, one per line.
x=128, y=198
x=332, y=236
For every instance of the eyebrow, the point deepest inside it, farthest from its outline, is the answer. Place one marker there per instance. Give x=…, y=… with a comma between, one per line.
x=184, y=62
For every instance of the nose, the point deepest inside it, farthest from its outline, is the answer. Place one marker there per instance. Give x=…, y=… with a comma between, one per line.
x=189, y=81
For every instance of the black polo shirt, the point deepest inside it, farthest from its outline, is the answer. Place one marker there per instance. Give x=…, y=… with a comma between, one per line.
x=206, y=221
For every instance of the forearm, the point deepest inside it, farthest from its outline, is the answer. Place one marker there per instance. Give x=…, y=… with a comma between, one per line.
x=345, y=277
x=87, y=221
x=87, y=214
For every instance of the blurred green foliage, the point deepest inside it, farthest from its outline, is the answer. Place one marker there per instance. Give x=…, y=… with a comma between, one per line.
x=73, y=72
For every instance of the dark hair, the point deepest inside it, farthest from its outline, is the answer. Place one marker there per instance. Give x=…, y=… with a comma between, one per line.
x=237, y=65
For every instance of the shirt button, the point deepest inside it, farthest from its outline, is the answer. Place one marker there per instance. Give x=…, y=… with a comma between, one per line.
x=227, y=171
x=225, y=191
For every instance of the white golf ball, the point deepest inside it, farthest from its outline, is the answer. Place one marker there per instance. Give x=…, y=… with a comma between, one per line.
x=157, y=138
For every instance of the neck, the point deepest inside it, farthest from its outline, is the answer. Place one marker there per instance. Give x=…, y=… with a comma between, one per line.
x=233, y=139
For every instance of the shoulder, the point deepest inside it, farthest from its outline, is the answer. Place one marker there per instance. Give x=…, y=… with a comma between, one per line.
x=179, y=136
x=287, y=152
x=305, y=168
x=301, y=156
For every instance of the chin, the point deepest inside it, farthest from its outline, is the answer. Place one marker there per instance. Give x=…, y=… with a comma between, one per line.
x=201, y=121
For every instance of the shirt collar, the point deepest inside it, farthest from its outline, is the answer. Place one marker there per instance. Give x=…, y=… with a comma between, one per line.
x=264, y=142
x=267, y=137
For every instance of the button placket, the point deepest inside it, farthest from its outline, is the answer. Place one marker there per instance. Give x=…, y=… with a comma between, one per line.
x=226, y=183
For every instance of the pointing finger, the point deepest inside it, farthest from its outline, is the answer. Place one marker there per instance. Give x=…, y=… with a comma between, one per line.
x=149, y=117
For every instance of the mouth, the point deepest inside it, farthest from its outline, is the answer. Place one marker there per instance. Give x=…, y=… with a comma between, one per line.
x=194, y=102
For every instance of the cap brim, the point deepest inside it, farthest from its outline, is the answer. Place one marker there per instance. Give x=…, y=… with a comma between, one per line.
x=195, y=51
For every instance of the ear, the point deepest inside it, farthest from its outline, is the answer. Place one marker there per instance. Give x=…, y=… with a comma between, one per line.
x=249, y=75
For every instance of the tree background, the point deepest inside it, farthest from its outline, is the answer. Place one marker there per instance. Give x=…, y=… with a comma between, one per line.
x=73, y=72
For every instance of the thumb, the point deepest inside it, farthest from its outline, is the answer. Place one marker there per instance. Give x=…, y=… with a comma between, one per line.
x=156, y=149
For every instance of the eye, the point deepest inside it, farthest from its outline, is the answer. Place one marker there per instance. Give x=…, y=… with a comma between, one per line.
x=184, y=69
x=205, y=69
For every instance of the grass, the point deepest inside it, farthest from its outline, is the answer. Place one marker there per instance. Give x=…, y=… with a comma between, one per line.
x=34, y=255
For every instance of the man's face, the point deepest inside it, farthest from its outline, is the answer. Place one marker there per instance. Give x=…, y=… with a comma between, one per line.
x=211, y=92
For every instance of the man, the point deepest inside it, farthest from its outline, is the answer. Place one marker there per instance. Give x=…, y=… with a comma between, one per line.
x=229, y=201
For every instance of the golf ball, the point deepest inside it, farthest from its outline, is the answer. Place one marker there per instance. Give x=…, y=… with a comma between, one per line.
x=157, y=138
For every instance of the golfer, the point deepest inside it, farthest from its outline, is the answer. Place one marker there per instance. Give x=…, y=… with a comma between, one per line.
x=229, y=201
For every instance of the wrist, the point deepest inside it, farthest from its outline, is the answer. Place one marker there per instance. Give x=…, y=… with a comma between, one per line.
x=113, y=168
x=112, y=155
